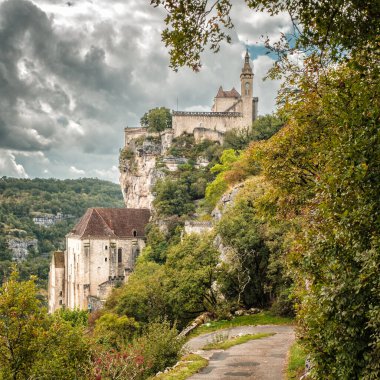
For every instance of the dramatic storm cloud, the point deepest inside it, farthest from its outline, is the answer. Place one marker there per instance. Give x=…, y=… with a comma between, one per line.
x=74, y=74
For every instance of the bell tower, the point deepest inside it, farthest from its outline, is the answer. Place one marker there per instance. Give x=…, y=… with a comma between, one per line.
x=246, y=80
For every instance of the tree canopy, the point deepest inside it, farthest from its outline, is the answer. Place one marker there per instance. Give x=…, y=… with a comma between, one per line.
x=332, y=27
x=157, y=119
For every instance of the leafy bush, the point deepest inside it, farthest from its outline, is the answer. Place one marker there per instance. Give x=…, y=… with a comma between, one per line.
x=160, y=345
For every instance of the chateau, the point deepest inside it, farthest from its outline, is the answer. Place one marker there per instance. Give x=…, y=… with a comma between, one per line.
x=230, y=110
x=101, y=251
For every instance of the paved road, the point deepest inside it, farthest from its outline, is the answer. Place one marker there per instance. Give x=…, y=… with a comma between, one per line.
x=262, y=359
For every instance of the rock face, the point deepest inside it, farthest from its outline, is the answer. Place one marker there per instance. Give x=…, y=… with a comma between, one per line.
x=137, y=180
x=138, y=164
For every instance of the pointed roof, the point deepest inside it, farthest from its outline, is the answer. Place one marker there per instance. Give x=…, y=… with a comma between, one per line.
x=112, y=223
x=227, y=94
x=247, y=69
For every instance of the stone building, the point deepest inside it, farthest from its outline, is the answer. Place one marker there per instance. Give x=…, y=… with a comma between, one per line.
x=230, y=110
x=101, y=251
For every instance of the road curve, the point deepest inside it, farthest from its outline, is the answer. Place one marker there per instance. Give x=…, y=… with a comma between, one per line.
x=262, y=359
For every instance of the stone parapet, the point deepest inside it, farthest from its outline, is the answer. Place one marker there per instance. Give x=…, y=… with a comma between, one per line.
x=208, y=114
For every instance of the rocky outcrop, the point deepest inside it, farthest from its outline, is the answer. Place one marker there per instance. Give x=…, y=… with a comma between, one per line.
x=137, y=180
x=138, y=164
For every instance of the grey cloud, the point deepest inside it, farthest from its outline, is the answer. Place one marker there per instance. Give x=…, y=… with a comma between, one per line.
x=71, y=80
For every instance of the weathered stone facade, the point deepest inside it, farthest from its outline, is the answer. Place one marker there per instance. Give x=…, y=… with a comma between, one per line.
x=230, y=110
x=101, y=251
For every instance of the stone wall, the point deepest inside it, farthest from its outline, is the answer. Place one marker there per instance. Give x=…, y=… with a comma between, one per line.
x=186, y=122
x=93, y=262
x=196, y=227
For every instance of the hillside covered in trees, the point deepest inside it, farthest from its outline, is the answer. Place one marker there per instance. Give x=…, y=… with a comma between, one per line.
x=23, y=199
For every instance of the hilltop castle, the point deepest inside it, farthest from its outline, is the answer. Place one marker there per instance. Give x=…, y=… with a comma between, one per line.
x=230, y=110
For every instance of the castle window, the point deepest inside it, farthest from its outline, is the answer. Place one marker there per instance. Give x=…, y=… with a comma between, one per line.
x=105, y=259
x=119, y=255
x=134, y=233
x=106, y=247
x=60, y=302
x=246, y=88
x=60, y=293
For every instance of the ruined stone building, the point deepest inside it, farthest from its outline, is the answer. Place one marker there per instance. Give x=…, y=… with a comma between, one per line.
x=101, y=251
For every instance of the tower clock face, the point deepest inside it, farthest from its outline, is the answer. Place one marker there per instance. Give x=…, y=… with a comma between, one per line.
x=246, y=88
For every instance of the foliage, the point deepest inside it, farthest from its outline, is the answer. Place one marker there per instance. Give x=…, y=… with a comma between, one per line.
x=179, y=289
x=34, y=344
x=253, y=245
x=111, y=365
x=191, y=270
x=75, y=317
x=262, y=128
x=324, y=167
x=144, y=296
x=334, y=28
x=187, y=366
x=160, y=345
x=172, y=197
x=216, y=189
x=296, y=362
x=186, y=146
x=227, y=343
x=157, y=119
x=114, y=330
x=179, y=192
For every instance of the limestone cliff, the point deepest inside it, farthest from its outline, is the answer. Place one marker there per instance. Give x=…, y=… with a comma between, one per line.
x=138, y=170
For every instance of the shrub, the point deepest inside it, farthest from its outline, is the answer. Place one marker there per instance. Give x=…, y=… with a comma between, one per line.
x=160, y=345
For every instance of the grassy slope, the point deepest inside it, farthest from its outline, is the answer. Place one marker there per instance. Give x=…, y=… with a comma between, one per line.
x=263, y=318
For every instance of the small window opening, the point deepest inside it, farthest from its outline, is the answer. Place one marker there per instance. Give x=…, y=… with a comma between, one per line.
x=105, y=259
x=60, y=293
x=106, y=247
x=119, y=255
x=60, y=302
x=134, y=233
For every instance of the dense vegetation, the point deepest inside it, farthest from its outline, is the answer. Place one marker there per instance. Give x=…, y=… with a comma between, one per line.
x=65, y=345
x=23, y=199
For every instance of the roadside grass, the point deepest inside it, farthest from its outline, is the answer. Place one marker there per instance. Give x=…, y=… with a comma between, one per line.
x=263, y=318
x=296, y=363
x=223, y=345
x=187, y=366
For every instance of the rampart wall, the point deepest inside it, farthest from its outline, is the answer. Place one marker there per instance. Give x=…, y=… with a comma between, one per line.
x=186, y=122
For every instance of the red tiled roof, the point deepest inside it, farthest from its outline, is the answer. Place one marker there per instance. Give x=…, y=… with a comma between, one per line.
x=112, y=223
x=227, y=94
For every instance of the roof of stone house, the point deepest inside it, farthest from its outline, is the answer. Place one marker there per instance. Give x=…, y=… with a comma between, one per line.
x=59, y=259
x=227, y=94
x=112, y=223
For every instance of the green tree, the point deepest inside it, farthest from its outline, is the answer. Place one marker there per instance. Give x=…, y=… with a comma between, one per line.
x=335, y=28
x=262, y=128
x=34, y=344
x=190, y=273
x=157, y=119
x=115, y=331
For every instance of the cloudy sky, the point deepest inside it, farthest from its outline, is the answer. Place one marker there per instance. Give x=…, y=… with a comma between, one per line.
x=74, y=74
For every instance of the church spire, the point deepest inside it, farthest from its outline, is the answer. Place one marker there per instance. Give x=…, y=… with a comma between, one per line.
x=247, y=69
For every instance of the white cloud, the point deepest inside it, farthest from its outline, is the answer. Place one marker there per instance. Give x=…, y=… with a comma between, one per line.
x=9, y=167
x=76, y=171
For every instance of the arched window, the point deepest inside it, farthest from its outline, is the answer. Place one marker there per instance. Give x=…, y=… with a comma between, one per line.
x=119, y=255
x=134, y=233
x=246, y=88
